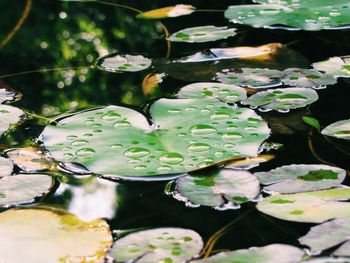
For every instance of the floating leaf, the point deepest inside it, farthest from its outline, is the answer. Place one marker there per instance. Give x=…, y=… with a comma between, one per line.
x=23, y=188
x=312, y=122
x=296, y=178
x=311, y=207
x=327, y=260
x=223, y=92
x=6, y=95
x=202, y=34
x=51, y=236
x=158, y=245
x=335, y=66
x=187, y=134
x=6, y=167
x=269, y=254
x=306, y=78
x=282, y=99
x=9, y=116
x=169, y=11
x=339, y=129
x=304, y=14
x=221, y=189
x=249, y=163
x=123, y=63
x=252, y=77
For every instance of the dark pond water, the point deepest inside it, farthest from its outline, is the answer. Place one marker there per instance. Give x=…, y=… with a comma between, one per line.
x=72, y=34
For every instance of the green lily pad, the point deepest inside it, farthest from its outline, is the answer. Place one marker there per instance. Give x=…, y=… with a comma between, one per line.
x=311, y=207
x=23, y=188
x=310, y=15
x=282, y=100
x=123, y=63
x=335, y=66
x=222, y=189
x=202, y=34
x=223, y=92
x=327, y=260
x=169, y=11
x=339, y=129
x=6, y=167
x=158, y=245
x=298, y=178
x=328, y=235
x=252, y=77
x=306, y=78
x=269, y=254
x=186, y=135
x=43, y=235
x=9, y=116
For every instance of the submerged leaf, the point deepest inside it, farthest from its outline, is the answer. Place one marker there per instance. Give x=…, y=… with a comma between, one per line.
x=169, y=11
x=173, y=245
x=9, y=116
x=6, y=167
x=339, y=129
x=335, y=66
x=123, y=63
x=306, y=78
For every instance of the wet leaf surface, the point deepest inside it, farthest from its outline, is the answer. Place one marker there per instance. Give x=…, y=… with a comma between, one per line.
x=9, y=116
x=123, y=63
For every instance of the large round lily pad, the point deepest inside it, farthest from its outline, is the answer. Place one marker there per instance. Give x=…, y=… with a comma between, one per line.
x=9, y=116
x=339, y=129
x=121, y=63
x=306, y=78
x=312, y=207
x=298, y=178
x=6, y=167
x=173, y=245
x=335, y=66
x=51, y=236
x=186, y=135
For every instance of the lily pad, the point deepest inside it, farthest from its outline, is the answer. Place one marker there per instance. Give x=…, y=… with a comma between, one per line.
x=6, y=167
x=306, y=78
x=123, y=63
x=6, y=95
x=335, y=66
x=269, y=254
x=186, y=135
x=220, y=189
x=339, y=129
x=282, y=99
x=169, y=11
x=9, y=116
x=223, y=92
x=311, y=207
x=158, y=245
x=298, y=178
x=202, y=34
x=328, y=235
x=252, y=77
x=44, y=236
x=304, y=14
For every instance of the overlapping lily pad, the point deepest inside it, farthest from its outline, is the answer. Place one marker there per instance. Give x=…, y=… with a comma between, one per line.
x=335, y=66
x=202, y=34
x=223, y=92
x=9, y=116
x=302, y=14
x=123, y=63
x=306, y=78
x=311, y=207
x=42, y=235
x=282, y=99
x=6, y=167
x=158, y=245
x=269, y=254
x=169, y=11
x=186, y=135
x=298, y=178
x=339, y=129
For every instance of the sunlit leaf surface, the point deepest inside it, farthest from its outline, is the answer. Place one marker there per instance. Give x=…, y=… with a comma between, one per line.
x=327, y=260
x=306, y=78
x=335, y=66
x=6, y=95
x=9, y=116
x=123, y=63
x=339, y=129
x=6, y=167
x=169, y=11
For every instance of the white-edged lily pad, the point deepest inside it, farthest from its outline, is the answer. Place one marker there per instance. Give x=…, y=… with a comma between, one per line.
x=186, y=135
x=334, y=66
x=306, y=78
x=9, y=116
x=202, y=34
x=6, y=167
x=269, y=254
x=169, y=11
x=42, y=236
x=223, y=92
x=297, y=178
x=327, y=260
x=328, y=235
x=23, y=188
x=123, y=63
x=311, y=207
x=282, y=99
x=173, y=245
x=339, y=129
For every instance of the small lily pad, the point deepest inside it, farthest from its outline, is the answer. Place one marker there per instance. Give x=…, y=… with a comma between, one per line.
x=309, y=207
x=6, y=167
x=306, y=78
x=328, y=235
x=298, y=178
x=202, y=34
x=220, y=189
x=9, y=116
x=339, y=129
x=223, y=92
x=335, y=66
x=252, y=77
x=43, y=235
x=173, y=245
x=269, y=254
x=282, y=99
x=123, y=63
x=169, y=11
